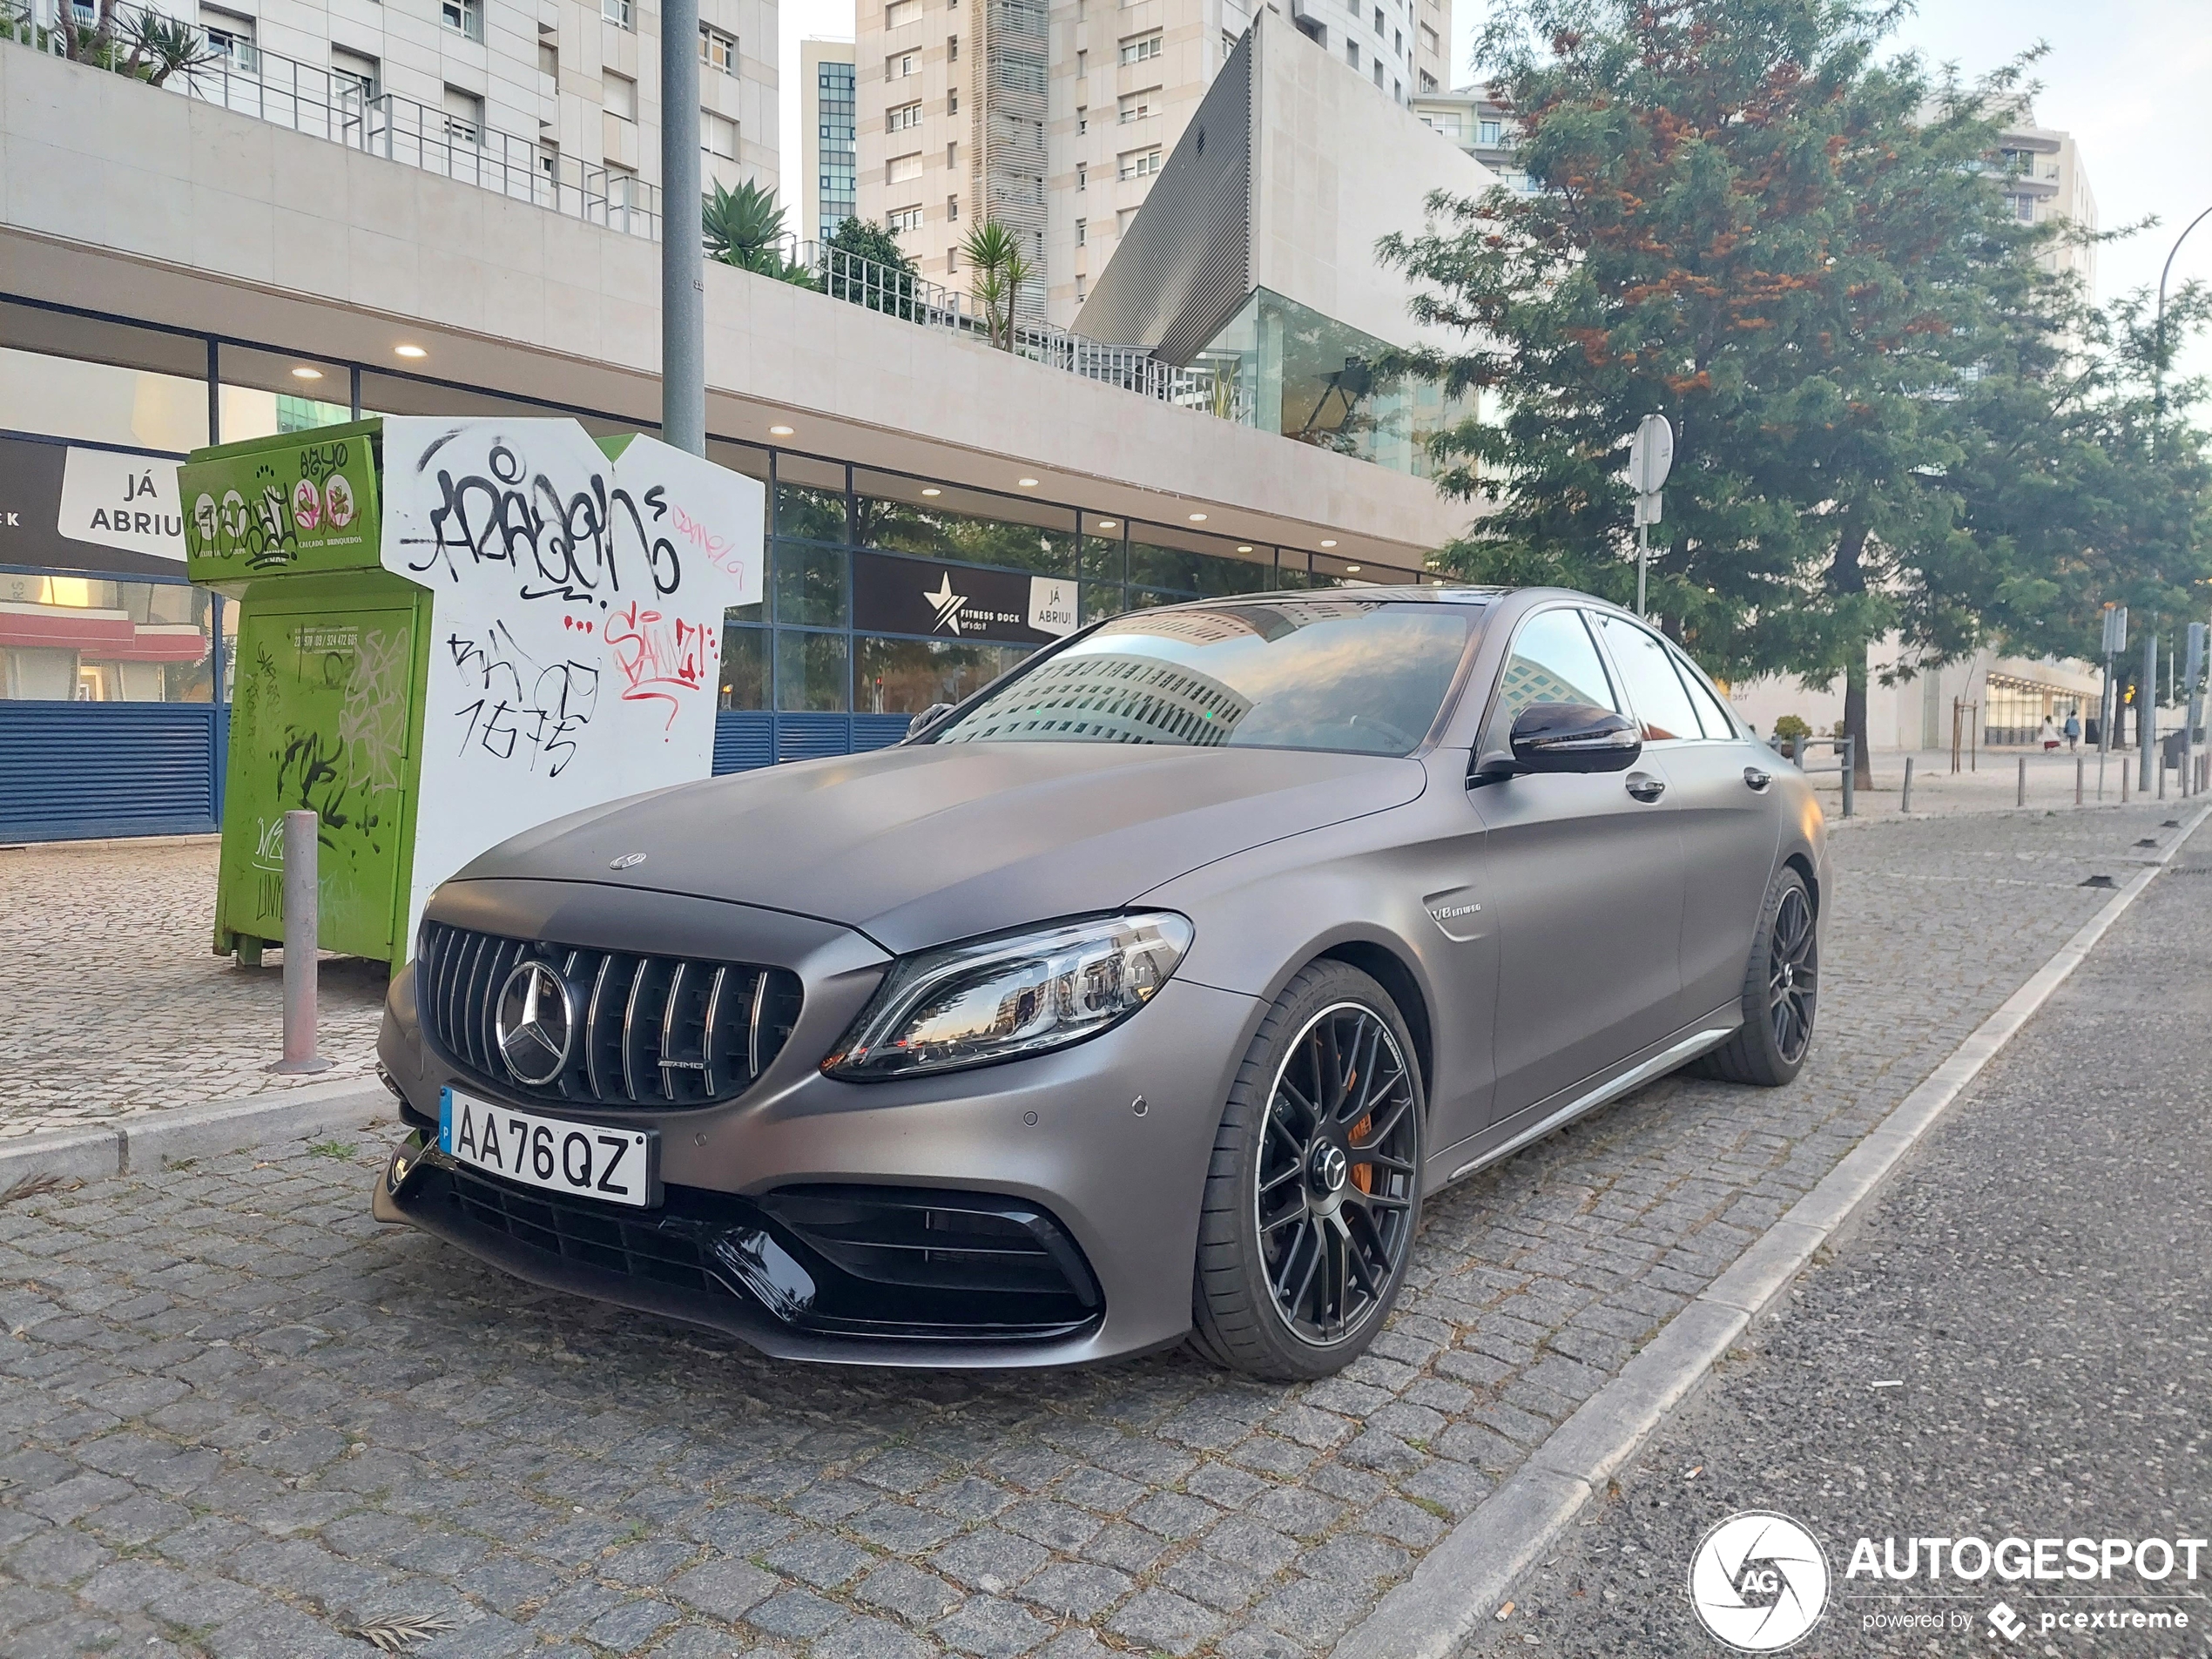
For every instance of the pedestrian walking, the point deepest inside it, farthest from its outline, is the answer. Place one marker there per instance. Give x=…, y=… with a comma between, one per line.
x=2048, y=736
x=2073, y=733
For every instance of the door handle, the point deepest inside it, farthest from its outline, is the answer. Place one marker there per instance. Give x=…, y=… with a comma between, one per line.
x=1644, y=786
x=1757, y=778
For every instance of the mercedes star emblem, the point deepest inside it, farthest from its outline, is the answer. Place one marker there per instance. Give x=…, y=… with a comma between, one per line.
x=533, y=1023
x=627, y=861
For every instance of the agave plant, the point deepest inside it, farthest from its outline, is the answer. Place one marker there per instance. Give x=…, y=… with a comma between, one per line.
x=745, y=227
x=998, y=270
x=160, y=47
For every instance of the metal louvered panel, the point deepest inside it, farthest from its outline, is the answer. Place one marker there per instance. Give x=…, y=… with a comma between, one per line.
x=650, y=1031
x=72, y=770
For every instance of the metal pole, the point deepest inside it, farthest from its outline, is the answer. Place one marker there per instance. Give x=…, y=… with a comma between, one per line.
x=683, y=292
x=2019, y=793
x=2158, y=363
x=1643, y=561
x=2081, y=764
x=1905, y=801
x=302, y=943
x=1850, y=772
x=2125, y=774
x=2146, y=707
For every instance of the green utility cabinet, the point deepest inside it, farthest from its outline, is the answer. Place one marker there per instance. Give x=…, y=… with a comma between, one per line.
x=326, y=682
x=451, y=630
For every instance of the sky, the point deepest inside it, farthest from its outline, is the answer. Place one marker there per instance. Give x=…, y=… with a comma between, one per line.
x=2126, y=78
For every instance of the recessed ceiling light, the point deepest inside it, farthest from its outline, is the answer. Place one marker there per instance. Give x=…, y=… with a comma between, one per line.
x=779, y=432
x=1027, y=484
x=303, y=372
x=1328, y=545
x=1107, y=523
x=1243, y=547
x=1351, y=569
x=410, y=351
x=933, y=491
x=1197, y=518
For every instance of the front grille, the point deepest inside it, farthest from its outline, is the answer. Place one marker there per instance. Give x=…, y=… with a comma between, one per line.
x=645, y=1030
x=888, y=1262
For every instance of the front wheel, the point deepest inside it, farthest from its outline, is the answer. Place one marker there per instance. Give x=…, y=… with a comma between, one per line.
x=1313, y=1193
x=1781, y=992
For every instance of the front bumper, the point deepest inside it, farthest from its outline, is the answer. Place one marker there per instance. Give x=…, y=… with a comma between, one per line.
x=1106, y=1144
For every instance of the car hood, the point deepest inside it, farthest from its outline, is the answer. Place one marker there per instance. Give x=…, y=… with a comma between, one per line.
x=914, y=847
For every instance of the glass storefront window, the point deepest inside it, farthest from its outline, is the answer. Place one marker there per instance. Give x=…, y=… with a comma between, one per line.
x=744, y=665
x=907, y=676
x=809, y=584
x=810, y=672
x=69, y=376
x=91, y=639
x=1202, y=566
x=1102, y=599
x=810, y=498
x=1101, y=559
x=942, y=521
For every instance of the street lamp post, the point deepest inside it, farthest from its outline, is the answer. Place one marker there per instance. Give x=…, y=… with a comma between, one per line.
x=683, y=294
x=2158, y=367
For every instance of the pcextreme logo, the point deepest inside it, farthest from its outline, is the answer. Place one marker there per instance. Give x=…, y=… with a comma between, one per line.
x=1759, y=1581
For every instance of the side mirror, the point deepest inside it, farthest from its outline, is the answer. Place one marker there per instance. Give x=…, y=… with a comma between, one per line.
x=1565, y=737
x=928, y=718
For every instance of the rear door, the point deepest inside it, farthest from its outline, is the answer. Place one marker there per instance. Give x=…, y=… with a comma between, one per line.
x=1723, y=805
x=1585, y=870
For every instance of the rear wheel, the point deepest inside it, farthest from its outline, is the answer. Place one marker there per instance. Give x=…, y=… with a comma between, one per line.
x=1313, y=1193
x=1781, y=992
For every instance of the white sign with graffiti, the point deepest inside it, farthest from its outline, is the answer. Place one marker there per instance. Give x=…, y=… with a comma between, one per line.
x=576, y=633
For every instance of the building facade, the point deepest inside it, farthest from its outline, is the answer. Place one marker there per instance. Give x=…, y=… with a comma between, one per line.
x=1480, y=124
x=1054, y=116
x=826, y=128
x=2044, y=180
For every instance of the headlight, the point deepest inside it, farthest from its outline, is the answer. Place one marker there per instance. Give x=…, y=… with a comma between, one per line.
x=1000, y=999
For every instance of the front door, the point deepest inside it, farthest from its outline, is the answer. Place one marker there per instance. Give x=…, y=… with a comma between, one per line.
x=1727, y=816
x=1586, y=871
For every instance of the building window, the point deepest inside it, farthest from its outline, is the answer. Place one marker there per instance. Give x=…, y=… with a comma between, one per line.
x=549, y=60
x=1429, y=43
x=952, y=156
x=952, y=104
x=1143, y=50
x=952, y=261
x=354, y=75
x=906, y=218
x=898, y=65
x=1428, y=84
x=621, y=187
x=1140, y=164
x=904, y=168
x=466, y=16
x=1486, y=132
x=1138, y=107
x=1352, y=53
x=1228, y=43
x=1082, y=122
x=900, y=13
x=1082, y=232
x=1083, y=176
x=1082, y=65
x=1079, y=287
x=952, y=209
x=464, y=113
x=616, y=12
x=2024, y=208
x=907, y=115
x=952, y=49
x=717, y=51
x=620, y=97
x=1377, y=72
x=228, y=35
x=717, y=135
x=1398, y=37
x=1380, y=23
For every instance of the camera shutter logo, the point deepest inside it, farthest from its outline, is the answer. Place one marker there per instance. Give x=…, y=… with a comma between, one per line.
x=1759, y=1581
x=533, y=1023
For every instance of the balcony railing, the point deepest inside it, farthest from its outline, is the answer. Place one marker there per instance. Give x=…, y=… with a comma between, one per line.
x=245, y=80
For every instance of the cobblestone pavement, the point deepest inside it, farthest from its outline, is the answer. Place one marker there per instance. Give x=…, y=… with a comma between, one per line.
x=2012, y=1343
x=116, y=1003
x=241, y=1419
x=1991, y=784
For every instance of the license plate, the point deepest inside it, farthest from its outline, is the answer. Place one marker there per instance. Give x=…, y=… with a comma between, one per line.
x=556, y=1154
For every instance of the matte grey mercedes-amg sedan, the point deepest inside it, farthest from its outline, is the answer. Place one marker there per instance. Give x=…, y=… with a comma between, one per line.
x=1143, y=996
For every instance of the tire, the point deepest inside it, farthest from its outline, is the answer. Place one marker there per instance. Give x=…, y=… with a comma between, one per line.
x=1781, y=992
x=1303, y=1242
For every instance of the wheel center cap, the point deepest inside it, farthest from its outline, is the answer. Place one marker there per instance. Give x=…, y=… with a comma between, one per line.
x=1789, y=977
x=1330, y=1168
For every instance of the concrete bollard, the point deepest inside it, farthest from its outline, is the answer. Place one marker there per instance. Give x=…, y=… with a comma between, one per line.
x=2162, y=777
x=2124, y=774
x=1905, y=801
x=302, y=943
x=2019, y=790
x=2080, y=764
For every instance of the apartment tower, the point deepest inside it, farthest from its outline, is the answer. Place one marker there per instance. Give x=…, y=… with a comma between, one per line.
x=826, y=154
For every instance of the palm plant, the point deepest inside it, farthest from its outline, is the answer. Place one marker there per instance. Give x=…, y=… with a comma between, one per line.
x=745, y=227
x=998, y=270
x=163, y=46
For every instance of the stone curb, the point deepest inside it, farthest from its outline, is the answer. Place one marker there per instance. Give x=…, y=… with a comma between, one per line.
x=1472, y=1569
x=151, y=1141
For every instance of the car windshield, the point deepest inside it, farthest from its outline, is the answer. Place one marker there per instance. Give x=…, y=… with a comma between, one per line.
x=1356, y=676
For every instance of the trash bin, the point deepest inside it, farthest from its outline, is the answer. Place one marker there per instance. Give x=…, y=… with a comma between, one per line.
x=450, y=631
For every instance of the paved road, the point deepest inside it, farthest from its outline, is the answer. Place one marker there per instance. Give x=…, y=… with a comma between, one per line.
x=2037, y=1279
x=239, y=1419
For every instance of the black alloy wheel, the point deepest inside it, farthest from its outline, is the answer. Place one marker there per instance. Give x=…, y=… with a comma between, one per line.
x=1314, y=1194
x=1781, y=992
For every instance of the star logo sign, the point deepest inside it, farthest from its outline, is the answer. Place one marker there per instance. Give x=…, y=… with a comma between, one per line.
x=946, y=603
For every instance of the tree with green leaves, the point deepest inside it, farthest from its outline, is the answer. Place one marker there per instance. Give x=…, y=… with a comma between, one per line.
x=1742, y=220
x=745, y=227
x=997, y=272
x=864, y=263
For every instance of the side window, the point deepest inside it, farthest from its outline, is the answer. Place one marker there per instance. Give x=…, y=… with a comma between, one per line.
x=1712, y=714
x=1654, y=691
x=1553, y=661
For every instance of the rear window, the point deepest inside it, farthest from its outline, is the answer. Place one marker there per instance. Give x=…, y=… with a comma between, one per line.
x=1352, y=676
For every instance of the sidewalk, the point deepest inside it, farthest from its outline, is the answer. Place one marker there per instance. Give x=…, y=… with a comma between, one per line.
x=1989, y=782
x=116, y=1002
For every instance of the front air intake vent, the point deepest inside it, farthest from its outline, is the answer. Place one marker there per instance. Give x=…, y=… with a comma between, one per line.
x=626, y=1029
